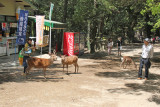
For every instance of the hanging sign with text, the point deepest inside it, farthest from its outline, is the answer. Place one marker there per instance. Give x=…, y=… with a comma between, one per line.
x=39, y=30
x=22, y=27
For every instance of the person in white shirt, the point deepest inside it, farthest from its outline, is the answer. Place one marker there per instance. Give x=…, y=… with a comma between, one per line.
x=109, y=45
x=147, y=53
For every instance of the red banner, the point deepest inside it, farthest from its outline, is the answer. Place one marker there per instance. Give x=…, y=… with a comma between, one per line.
x=68, y=43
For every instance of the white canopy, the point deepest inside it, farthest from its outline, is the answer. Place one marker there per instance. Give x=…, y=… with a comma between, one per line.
x=49, y=21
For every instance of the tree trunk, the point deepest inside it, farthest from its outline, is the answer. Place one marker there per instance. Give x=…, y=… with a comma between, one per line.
x=64, y=21
x=88, y=36
x=148, y=27
x=65, y=11
x=130, y=34
x=60, y=34
x=93, y=36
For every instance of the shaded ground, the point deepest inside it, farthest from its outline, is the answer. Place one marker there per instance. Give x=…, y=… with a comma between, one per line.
x=100, y=82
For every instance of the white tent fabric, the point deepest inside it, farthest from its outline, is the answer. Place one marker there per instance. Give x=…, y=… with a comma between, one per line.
x=49, y=21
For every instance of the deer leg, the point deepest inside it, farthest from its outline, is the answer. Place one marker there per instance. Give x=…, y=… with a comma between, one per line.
x=129, y=63
x=63, y=67
x=126, y=65
x=27, y=71
x=44, y=71
x=77, y=67
x=134, y=64
x=67, y=68
x=122, y=63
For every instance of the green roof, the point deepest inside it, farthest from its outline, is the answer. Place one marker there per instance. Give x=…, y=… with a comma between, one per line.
x=45, y=23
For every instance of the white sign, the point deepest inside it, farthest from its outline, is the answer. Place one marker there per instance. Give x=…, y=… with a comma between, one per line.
x=39, y=29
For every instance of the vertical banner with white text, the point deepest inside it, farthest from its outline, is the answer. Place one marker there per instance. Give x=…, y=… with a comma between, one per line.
x=68, y=43
x=22, y=27
x=39, y=29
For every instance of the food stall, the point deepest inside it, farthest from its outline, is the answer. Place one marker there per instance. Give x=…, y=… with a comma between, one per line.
x=8, y=23
x=8, y=28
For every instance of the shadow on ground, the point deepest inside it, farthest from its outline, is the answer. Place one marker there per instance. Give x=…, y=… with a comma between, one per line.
x=36, y=76
x=130, y=74
x=151, y=86
x=96, y=55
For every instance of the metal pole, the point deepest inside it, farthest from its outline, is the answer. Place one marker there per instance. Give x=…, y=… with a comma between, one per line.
x=50, y=40
x=41, y=49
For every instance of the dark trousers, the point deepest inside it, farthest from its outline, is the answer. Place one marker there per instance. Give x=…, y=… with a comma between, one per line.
x=25, y=62
x=20, y=48
x=147, y=63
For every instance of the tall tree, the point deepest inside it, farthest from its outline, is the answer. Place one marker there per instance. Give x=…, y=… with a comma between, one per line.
x=151, y=11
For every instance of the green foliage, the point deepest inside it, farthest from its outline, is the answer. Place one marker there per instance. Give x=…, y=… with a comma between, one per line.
x=153, y=6
x=109, y=18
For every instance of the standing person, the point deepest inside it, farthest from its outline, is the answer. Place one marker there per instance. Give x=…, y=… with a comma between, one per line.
x=153, y=40
x=109, y=45
x=27, y=52
x=147, y=53
x=119, y=46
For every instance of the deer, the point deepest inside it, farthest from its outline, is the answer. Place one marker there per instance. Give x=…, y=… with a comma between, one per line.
x=69, y=60
x=34, y=62
x=128, y=60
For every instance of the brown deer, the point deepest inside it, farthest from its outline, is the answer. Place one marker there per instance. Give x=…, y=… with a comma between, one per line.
x=35, y=62
x=128, y=60
x=69, y=60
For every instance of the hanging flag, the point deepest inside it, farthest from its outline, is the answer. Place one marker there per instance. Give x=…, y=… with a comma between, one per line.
x=22, y=27
x=51, y=10
x=68, y=43
x=39, y=29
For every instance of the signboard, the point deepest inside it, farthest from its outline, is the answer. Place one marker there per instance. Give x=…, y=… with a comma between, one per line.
x=22, y=27
x=2, y=18
x=68, y=43
x=4, y=26
x=10, y=19
x=39, y=29
x=45, y=40
x=13, y=25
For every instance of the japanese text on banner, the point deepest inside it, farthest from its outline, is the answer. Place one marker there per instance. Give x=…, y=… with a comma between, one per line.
x=39, y=29
x=22, y=27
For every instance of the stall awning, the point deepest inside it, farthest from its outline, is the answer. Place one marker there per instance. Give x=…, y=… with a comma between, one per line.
x=26, y=3
x=47, y=22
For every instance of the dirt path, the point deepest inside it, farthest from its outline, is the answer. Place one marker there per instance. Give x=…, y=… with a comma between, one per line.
x=99, y=83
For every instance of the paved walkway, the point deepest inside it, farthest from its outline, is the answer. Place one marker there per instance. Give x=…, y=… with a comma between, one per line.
x=9, y=62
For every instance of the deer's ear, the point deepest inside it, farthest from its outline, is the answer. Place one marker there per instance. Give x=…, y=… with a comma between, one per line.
x=49, y=53
x=54, y=51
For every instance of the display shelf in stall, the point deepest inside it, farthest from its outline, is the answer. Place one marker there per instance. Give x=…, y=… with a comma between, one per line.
x=3, y=50
x=11, y=45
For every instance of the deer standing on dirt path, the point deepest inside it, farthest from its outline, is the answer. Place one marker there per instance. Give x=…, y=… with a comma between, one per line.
x=128, y=60
x=69, y=60
x=35, y=62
